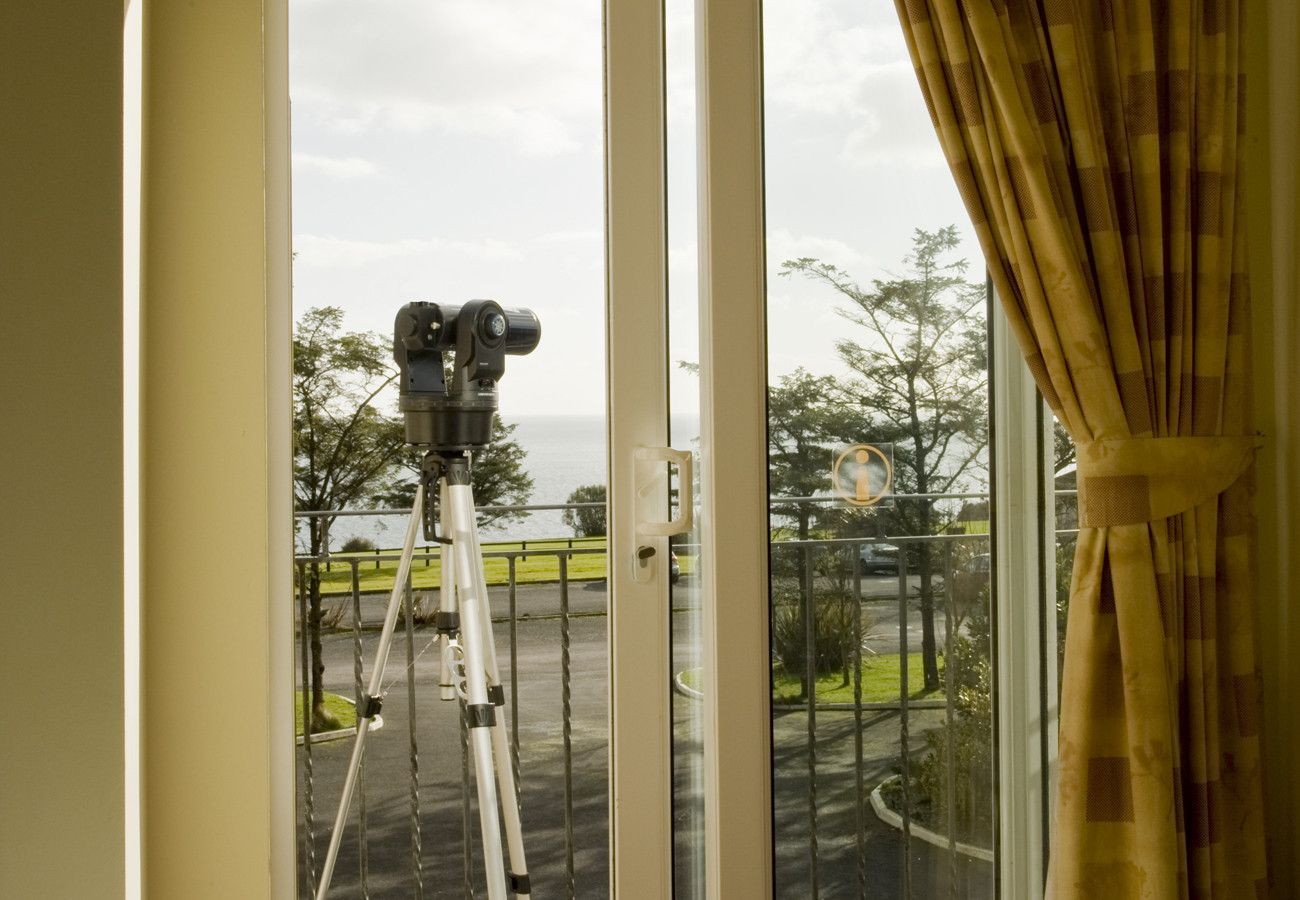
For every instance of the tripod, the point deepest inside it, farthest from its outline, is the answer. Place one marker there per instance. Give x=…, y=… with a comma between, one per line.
x=468, y=670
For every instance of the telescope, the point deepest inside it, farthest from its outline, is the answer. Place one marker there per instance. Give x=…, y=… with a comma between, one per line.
x=449, y=415
x=448, y=411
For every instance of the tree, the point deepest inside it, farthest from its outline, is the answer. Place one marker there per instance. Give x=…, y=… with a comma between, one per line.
x=496, y=475
x=808, y=419
x=343, y=445
x=589, y=522
x=923, y=369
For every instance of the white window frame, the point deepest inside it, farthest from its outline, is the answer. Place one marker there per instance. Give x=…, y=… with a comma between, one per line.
x=1024, y=559
x=732, y=358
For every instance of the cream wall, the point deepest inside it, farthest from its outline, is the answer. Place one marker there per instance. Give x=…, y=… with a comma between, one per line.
x=215, y=317
x=61, y=741
x=216, y=501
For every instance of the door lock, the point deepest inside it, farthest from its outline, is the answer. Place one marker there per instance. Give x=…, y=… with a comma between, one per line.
x=650, y=492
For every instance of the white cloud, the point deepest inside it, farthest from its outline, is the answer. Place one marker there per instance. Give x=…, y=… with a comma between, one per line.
x=333, y=166
x=783, y=245
x=683, y=259
x=334, y=252
x=843, y=69
x=573, y=236
x=528, y=74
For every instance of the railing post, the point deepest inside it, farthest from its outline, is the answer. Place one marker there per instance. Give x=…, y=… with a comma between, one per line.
x=810, y=676
x=416, y=843
x=566, y=719
x=467, y=853
x=308, y=786
x=357, y=671
x=949, y=680
x=904, y=664
x=855, y=554
x=514, y=683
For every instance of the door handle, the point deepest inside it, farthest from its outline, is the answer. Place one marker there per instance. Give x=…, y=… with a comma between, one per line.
x=644, y=488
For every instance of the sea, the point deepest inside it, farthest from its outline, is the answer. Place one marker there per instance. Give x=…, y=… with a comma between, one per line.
x=560, y=453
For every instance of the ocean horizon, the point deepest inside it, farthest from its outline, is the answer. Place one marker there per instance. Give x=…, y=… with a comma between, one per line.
x=561, y=453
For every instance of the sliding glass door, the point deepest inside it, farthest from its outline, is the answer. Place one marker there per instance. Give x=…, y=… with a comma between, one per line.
x=752, y=567
x=878, y=438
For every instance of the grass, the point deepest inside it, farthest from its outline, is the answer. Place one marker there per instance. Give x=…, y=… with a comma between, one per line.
x=880, y=682
x=342, y=709
x=427, y=574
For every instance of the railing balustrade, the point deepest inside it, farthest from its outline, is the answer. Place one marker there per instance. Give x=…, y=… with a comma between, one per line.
x=428, y=800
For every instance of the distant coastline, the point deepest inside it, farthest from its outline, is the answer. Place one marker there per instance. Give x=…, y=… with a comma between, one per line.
x=562, y=453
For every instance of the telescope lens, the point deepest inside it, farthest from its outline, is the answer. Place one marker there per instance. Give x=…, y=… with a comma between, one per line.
x=524, y=331
x=495, y=325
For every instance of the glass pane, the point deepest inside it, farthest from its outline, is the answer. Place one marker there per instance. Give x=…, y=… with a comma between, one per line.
x=878, y=458
x=444, y=152
x=684, y=421
x=1066, y=492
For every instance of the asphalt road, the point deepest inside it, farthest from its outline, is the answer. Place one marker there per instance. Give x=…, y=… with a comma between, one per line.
x=439, y=802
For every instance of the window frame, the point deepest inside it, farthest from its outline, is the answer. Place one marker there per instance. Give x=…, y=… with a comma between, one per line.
x=730, y=100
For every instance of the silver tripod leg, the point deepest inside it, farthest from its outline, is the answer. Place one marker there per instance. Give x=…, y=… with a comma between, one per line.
x=500, y=739
x=446, y=600
x=371, y=700
x=491, y=740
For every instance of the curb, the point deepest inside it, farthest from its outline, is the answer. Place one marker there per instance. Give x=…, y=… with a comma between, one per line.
x=384, y=592
x=339, y=733
x=894, y=820
x=681, y=687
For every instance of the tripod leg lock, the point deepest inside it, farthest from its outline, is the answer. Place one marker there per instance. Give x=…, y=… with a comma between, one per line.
x=369, y=706
x=481, y=715
x=496, y=695
x=447, y=621
x=519, y=884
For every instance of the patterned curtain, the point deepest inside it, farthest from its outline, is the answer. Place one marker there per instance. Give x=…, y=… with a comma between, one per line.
x=1096, y=144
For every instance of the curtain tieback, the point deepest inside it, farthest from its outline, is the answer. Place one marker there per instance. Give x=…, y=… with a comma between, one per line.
x=1128, y=481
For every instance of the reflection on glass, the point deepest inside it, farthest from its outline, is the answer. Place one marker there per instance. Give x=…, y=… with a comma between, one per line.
x=878, y=470
x=684, y=418
x=1066, y=491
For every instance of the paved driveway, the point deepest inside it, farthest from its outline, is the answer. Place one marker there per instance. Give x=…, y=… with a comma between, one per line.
x=438, y=754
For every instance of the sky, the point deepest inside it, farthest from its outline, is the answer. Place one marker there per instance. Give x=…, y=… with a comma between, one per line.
x=452, y=149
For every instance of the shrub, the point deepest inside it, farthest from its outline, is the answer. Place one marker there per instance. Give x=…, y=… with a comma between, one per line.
x=967, y=675
x=971, y=743
x=357, y=545
x=834, y=639
x=589, y=522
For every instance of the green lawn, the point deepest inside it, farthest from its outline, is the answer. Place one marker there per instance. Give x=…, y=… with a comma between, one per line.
x=426, y=575
x=342, y=709
x=880, y=682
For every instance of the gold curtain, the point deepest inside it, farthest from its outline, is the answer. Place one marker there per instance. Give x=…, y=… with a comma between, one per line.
x=1096, y=144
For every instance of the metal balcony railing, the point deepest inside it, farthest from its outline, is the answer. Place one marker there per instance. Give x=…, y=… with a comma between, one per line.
x=408, y=832
x=418, y=644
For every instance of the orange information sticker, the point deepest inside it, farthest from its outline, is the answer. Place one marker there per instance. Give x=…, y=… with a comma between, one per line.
x=863, y=474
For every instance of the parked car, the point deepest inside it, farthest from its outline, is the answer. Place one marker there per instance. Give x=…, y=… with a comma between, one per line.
x=878, y=559
x=975, y=569
x=970, y=578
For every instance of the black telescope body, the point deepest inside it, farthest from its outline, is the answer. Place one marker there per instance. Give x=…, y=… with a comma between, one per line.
x=456, y=416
